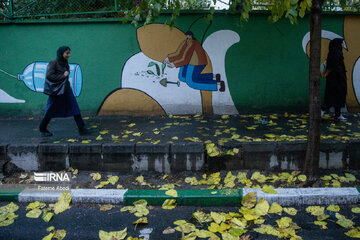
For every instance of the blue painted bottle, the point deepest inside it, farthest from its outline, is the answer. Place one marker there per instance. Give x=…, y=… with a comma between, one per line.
x=35, y=73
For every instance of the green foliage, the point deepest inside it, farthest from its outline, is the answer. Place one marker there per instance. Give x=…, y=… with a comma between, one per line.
x=149, y=10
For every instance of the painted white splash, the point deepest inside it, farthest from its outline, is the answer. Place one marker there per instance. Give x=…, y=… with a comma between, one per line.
x=216, y=45
x=181, y=99
x=324, y=34
x=173, y=98
x=356, y=79
x=6, y=98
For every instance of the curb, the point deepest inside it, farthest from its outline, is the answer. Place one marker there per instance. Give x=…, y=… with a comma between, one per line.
x=174, y=157
x=193, y=197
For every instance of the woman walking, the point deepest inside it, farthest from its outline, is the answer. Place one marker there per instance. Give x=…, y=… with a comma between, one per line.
x=61, y=102
x=335, y=90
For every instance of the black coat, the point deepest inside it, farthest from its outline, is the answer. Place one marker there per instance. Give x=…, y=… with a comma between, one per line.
x=56, y=83
x=336, y=89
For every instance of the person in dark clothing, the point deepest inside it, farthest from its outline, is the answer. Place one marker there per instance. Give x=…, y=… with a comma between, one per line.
x=61, y=102
x=335, y=90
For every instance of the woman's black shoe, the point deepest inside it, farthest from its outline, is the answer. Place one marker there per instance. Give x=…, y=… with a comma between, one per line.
x=46, y=133
x=85, y=130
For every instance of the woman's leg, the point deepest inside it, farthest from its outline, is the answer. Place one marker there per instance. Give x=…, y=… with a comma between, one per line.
x=81, y=125
x=43, y=127
x=43, y=124
x=79, y=121
x=337, y=111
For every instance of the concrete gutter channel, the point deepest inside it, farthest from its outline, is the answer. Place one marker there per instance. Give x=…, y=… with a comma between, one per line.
x=195, y=197
x=182, y=156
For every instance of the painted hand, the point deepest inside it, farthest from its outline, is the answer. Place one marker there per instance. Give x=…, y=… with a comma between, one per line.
x=66, y=73
x=171, y=65
x=166, y=60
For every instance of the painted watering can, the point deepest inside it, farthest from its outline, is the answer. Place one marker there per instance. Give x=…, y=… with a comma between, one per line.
x=35, y=73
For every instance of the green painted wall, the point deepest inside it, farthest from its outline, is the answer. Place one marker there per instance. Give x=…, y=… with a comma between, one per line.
x=266, y=71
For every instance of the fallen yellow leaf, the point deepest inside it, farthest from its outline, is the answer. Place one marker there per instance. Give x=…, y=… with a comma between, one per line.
x=249, y=200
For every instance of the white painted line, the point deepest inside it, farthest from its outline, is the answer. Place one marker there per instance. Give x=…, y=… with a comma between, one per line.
x=285, y=196
x=98, y=195
x=31, y=195
x=309, y=196
x=78, y=195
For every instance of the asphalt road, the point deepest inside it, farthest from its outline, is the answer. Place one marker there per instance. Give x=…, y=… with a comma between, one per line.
x=83, y=222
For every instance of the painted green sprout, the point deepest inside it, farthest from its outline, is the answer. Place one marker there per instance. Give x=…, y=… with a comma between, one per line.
x=158, y=73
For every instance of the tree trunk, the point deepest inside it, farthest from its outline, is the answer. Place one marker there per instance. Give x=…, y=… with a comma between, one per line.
x=313, y=144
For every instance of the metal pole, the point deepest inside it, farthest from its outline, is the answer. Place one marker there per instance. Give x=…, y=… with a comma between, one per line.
x=116, y=7
x=11, y=8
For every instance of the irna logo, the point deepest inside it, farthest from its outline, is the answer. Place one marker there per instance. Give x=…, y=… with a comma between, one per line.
x=52, y=177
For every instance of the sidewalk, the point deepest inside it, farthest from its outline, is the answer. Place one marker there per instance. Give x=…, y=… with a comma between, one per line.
x=177, y=143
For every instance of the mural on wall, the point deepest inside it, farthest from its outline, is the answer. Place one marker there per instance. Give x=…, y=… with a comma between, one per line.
x=6, y=98
x=34, y=76
x=174, y=74
x=351, y=57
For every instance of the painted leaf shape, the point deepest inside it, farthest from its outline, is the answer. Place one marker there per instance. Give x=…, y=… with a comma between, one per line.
x=150, y=72
x=151, y=64
x=163, y=66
